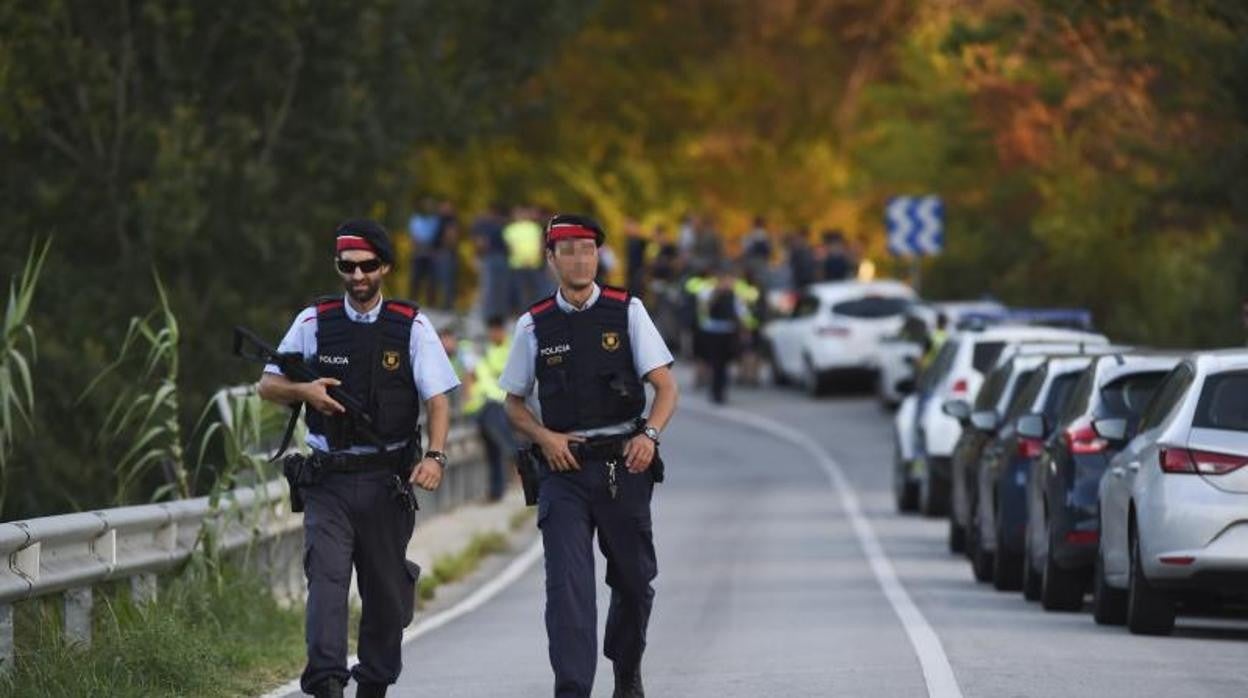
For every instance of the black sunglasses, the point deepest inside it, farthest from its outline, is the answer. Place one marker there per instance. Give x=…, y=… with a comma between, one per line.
x=368, y=266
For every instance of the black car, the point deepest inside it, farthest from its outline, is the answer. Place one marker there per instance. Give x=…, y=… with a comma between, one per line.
x=1001, y=516
x=1062, y=508
x=980, y=423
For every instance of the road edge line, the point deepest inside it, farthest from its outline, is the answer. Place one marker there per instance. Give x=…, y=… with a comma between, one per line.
x=937, y=671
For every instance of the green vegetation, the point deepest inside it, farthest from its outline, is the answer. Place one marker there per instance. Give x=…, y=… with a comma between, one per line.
x=1091, y=153
x=201, y=637
x=454, y=567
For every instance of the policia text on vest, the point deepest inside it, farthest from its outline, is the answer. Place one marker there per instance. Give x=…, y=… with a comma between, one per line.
x=383, y=358
x=580, y=358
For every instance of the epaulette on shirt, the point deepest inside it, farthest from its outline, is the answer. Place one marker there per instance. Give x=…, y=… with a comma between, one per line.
x=612, y=293
x=324, y=304
x=541, y=306
x=407, y=309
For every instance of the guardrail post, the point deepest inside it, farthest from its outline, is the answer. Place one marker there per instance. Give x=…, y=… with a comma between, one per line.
x=6, y=638
x=143, y=588
x=78, y=616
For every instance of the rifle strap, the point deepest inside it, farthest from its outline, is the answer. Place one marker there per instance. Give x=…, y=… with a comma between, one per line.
x=290, y=431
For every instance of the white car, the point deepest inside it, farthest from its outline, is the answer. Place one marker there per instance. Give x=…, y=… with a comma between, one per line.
x=901, y=353
x=1174, y=501
x=835, y=327
x=956, y=374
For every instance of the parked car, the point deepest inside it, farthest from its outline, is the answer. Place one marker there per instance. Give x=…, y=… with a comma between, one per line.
x=983, y=418
x=1000, y=513
x=956, y=374
x=835, y=328
x=901, y=353
x=1174, y=501
x=1062, y=513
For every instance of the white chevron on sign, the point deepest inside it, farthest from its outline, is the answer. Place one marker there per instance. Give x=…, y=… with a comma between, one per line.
x=916, y=225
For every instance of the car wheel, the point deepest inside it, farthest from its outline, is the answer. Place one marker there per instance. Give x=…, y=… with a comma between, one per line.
x=811, y=380
x=905, y=492
x=957, y=537
x=1007, y=568
x=933, y=494
x=1109, y=605
x=1060, y=589
x=1149, y=612
x=1031, y=578
x=981, y=560
x=778, y=376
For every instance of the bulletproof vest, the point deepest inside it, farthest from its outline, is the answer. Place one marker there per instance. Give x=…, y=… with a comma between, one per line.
x=373, y=361
x=722, y=306
x=585, y=373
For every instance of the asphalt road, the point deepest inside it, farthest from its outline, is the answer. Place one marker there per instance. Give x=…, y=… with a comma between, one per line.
x=765, y=589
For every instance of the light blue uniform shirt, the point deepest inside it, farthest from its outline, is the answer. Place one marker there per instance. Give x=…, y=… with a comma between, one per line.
x=520, y=374
x=431, y=368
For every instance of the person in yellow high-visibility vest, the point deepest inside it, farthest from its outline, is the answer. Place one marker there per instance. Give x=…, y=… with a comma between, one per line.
x=485, y=403
x=748, y=361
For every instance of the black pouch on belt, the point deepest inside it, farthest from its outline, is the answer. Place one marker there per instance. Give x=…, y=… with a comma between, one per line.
x=657, y=470
x=296, y=468
x=527, y=464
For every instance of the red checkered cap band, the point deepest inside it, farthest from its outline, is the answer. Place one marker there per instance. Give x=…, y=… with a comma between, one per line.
x=354, y=242
x=571, y=231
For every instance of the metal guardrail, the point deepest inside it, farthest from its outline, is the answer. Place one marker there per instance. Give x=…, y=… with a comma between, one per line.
x=71, y=553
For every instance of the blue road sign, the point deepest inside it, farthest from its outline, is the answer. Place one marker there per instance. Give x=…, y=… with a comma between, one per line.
x=916, y=225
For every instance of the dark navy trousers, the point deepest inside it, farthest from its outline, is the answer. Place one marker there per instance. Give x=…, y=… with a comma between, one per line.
x=355, y=520
x=571, y=507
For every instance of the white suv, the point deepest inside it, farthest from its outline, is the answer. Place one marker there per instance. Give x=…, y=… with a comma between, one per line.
x=1174, y=501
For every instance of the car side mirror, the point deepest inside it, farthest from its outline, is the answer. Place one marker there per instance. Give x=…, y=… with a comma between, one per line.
x=958, y=409
x=1113, y=430
x=905, y=386
x=1031, y=426
x=985, y=420
x=912, y=361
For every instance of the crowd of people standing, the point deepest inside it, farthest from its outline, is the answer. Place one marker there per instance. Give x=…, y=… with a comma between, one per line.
x=707, y=295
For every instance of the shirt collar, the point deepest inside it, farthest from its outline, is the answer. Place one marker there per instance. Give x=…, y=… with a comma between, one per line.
x=567, y=307
x=356, y=316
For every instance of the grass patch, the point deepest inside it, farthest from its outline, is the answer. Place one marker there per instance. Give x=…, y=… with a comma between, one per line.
x=522, y=517
x=204, y=636
x=452, y=568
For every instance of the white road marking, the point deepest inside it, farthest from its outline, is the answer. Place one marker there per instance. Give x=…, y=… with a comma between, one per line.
x=937, y=672
x=514, y=571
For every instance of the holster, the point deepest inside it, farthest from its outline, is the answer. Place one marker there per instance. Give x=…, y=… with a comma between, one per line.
x=528, y=466
x=300, y=471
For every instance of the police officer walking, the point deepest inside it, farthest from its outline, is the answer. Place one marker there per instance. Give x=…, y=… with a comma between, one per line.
x=359, y=506
x=574, y=384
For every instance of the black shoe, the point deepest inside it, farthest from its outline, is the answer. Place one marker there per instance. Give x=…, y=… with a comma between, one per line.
x=628, y=684
x=329, y=688
x=371, y=690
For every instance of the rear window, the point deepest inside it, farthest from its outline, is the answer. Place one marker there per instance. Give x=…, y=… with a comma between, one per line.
x=1223, y=402
x=1127, y=396
x=1059, y=393
x=1077, y=405
x=872, y=307
x=1029, y=386
x=985, y=355
x=991, y=391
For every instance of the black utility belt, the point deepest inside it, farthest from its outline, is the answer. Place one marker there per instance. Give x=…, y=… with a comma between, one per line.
x=362, y=462
x=599, y=446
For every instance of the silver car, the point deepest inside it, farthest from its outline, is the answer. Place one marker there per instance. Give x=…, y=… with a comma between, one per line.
x=1174, y=501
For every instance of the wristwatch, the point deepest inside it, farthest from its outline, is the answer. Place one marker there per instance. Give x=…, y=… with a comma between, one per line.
x=652, y=434
x=439, y=456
